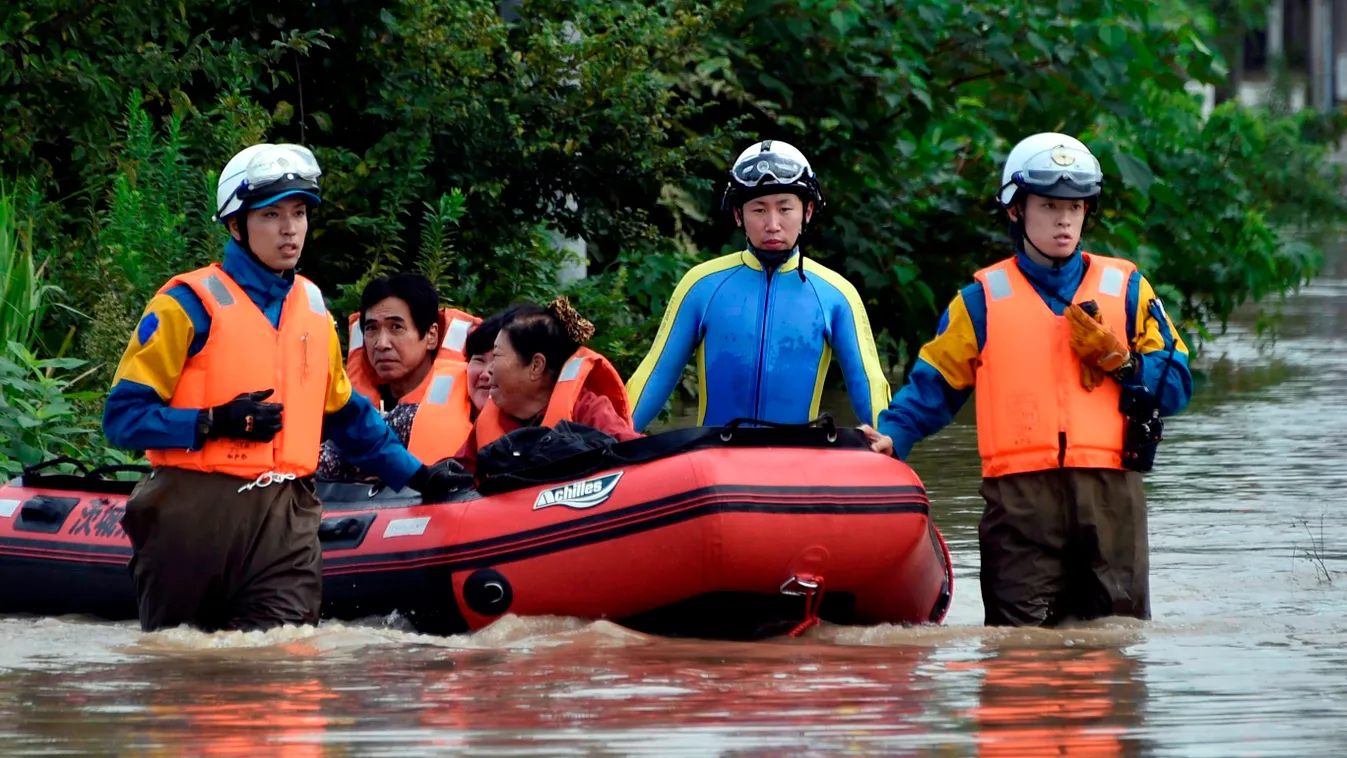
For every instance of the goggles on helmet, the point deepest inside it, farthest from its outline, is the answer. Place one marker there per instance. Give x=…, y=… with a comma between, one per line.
x=780, y=169
x=277, y=169
x=1060, y=172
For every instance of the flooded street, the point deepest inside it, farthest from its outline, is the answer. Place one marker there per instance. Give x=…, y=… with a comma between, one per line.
x=1246, y=655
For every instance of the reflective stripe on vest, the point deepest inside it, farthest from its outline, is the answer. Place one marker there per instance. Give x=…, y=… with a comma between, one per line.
x=586, y=370
x=244, y=353
x=454, y=328
x=1032, y=412
x=444, y=417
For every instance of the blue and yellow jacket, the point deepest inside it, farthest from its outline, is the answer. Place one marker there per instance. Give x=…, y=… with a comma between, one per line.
x=175, y=326
x=942, y=379
x=764, y=341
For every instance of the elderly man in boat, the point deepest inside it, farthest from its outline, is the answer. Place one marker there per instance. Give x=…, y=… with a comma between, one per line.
x=422, y=365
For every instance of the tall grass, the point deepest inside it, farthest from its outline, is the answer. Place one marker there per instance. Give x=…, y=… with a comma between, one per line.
x=24, y=294
x=40, y=414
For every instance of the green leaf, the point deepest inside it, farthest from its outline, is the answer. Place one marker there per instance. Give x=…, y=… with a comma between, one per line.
x=61, y=363
x=1113, y=36
x=1040, y=43
x=1135, y=172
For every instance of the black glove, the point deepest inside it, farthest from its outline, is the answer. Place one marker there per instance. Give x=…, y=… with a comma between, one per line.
x=246, y=417
x=438, y=481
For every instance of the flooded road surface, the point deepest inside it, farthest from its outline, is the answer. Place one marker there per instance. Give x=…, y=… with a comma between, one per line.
x=1247, y=655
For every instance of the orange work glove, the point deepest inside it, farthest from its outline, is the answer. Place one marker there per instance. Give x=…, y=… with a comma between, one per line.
x=1091, y=376
x=1100, y=350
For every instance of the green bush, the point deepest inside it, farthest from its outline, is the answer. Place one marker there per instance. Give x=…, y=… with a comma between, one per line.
x=909, y=108
x=1220, y=212
x=463, y=140
x=155, y=225
x=40, y=412
x=39, y=419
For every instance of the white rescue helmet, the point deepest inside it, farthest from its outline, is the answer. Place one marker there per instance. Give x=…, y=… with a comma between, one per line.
x=771, y=167
x=263, y=174
x=1050, y=164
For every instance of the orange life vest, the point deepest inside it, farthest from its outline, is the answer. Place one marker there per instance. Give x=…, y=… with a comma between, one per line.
x=244, y=353
x=585, y=370
x=454, y=328
x=444, y=418
x=1035, y=702
x=1032, y=412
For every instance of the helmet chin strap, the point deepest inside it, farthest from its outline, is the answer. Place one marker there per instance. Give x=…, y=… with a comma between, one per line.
x=1020, y=237
x=779, y=256
x=247, y=246
x=772, y=259
x=1056, y=262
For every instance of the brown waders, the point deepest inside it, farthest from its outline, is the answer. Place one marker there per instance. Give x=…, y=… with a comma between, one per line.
x=210, y=556
x=1064, y=544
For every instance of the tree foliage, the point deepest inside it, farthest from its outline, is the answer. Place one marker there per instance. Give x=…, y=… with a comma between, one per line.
x=909, y=108
x=465, y=138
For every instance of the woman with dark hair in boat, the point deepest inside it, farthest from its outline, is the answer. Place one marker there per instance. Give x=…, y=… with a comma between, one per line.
x=400, y=359
x=540, y=374
x=479, y=347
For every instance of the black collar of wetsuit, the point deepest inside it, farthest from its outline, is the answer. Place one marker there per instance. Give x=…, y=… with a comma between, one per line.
x=772, y=260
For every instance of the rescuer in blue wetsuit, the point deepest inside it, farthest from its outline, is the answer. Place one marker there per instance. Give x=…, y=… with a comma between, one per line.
x=765, y=323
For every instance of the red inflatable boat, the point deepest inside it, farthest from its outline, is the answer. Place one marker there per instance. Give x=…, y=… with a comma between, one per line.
x=710, y=532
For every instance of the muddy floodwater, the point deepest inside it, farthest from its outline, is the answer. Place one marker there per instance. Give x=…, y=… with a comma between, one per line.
x=1246, y=655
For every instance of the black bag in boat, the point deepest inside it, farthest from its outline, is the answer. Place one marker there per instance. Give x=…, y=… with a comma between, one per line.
x=587, y=458
x=534, y=446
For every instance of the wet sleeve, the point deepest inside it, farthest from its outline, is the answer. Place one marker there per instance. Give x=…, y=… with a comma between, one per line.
x=679, y=332
x=597, y=411
x=1159, y=349
x=941, y=381
x=359, y=432
x=136, y=415
x=853, y=344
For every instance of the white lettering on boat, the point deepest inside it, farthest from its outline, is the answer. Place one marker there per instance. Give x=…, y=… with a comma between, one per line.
x=583, y=494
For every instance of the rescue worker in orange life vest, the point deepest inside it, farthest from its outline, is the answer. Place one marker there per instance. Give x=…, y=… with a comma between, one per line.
x=423, y=365
x=230, y=382
x=1063, y=535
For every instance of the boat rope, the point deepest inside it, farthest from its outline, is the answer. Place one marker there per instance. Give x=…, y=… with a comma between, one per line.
x=812, y=587
x=266, y=480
